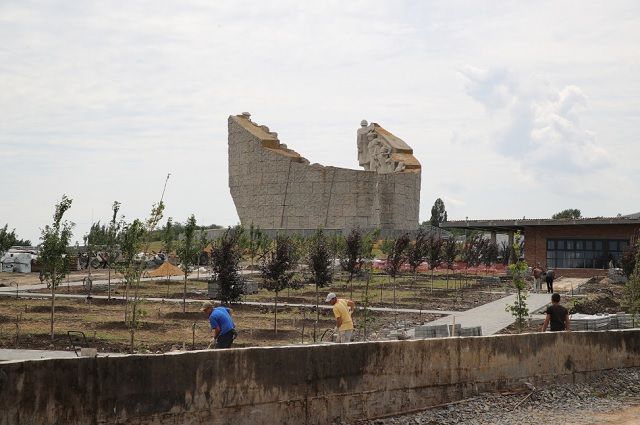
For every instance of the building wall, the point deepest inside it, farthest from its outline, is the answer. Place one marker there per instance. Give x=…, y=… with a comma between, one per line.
x=536, y=242
x=318, y=384
x=275, y=188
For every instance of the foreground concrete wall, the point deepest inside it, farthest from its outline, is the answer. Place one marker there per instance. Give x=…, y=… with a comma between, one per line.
x=276, y=188
x=298, y=385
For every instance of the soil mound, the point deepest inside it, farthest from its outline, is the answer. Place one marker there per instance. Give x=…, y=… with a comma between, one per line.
x=596, y=305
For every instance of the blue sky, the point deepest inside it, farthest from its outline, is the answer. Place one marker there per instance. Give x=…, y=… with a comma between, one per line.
x=513, y=108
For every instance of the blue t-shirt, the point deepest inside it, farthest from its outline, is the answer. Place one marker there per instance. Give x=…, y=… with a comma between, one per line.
x=220, y=318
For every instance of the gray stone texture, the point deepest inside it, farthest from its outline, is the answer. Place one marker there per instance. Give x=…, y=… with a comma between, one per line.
x=317, y=384
x=275, y=188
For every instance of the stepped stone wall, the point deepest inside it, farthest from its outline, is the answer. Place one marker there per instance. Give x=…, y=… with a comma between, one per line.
x=274, y=187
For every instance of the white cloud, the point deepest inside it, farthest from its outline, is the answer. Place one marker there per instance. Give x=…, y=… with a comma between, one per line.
x=535, y=123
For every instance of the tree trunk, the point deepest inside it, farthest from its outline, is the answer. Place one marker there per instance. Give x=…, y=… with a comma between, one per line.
x=431, y=280
x=126, y=299
x=395, y=311
x=366, y=302
x=135, y=301
x=275, y=314
x=315, y=325
x=184, y=294
x=53, y=299
x=351, y=287
x=109, y=283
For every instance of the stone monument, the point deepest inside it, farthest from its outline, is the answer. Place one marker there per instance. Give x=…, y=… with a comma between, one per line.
x=274, y=187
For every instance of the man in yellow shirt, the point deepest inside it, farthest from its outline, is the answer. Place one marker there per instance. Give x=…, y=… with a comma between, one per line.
x=342, y=310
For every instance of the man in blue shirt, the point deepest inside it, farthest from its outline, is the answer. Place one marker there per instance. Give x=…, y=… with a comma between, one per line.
x=224, y=330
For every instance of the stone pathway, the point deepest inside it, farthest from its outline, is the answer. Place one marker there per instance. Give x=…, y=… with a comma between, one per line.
x=492, y=316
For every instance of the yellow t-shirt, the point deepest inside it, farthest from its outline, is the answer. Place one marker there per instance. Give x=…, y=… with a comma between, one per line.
x=341, y=310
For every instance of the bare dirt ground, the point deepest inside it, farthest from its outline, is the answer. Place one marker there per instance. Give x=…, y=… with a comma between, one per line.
x=162, y=325
x=596, y=297
x=25, y=323
x=628, y=416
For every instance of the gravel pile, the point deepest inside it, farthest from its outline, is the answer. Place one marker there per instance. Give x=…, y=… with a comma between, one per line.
x=574, y=403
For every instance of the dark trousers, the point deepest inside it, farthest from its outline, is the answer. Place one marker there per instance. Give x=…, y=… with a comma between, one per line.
x=225, y=340
x=550, y=286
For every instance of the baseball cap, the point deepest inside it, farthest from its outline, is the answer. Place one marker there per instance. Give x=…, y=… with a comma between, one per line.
x=330, y=296
x=206, y=305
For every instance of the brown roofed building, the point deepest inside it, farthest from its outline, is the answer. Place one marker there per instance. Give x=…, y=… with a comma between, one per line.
x=573, y=247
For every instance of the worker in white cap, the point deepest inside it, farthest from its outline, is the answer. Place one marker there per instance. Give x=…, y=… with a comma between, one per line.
x=342, y=310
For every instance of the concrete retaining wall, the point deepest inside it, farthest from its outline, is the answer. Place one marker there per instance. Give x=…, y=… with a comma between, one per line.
x=298, y=385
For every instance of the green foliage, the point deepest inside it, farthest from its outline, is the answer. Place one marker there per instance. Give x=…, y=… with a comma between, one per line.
x=319, y=259
x=187, y=250
x=97, y=235
x=352, y=260
x=53, y=251
x=255, y=242
x=168, y=236
x=397, y=255
x=434, y=251
x=632, y=287
x=438, y=213
x=9, y=239
x=130, y=240
x=278, y=270
x=449, y=252
x=368, y=243
x=278, y=265
x=336, y=245
x=55, y=240
x=201, y=244
x=386, y=247
x=489, y=254
x=506, y=252
x=111, y=243
x=472, y=250
x=629, y=256
x=111, y=247
x=225, y=258
x=519, y=308
x=417, y=251
x=567, y=214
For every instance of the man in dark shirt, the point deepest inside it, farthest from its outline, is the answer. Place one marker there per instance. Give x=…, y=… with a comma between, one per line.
x=549, y=278
x=557, y=315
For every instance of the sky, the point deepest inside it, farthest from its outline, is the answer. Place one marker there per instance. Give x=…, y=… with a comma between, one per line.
x=514, y=108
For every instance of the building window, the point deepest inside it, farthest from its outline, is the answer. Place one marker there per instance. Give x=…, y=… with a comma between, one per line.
x=584, y=253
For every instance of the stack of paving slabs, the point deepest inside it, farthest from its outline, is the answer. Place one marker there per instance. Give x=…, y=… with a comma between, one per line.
x=623, y=321
x=456, y=331
x=588, y=322
x=444, y=331
x=437, y=331
x=472, y=331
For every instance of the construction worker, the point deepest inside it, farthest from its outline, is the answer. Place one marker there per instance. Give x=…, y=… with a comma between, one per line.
x=557, y=316
x=537, y=278
x=224, y=330
x=342, y=310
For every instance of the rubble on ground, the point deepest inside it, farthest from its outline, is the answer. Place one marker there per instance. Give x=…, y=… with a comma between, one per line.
x=576, y=403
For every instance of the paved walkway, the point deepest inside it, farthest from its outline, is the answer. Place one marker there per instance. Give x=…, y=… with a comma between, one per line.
x=492, y=316
x=95, y=282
